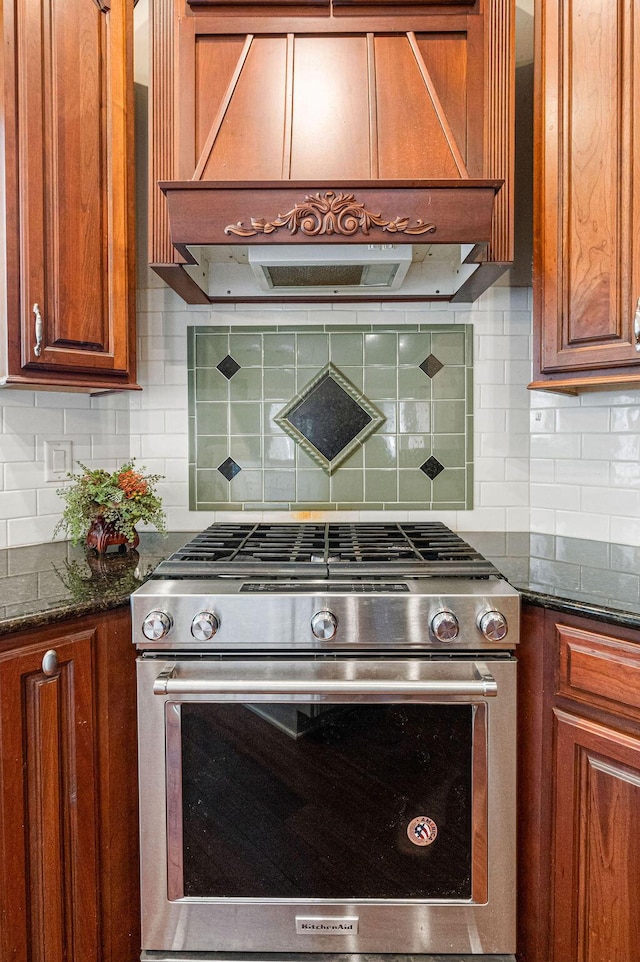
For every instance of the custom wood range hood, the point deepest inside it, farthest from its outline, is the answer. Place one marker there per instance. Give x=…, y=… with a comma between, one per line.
x=314, y=150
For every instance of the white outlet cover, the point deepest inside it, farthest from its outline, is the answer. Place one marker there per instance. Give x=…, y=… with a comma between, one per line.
x=58, y=459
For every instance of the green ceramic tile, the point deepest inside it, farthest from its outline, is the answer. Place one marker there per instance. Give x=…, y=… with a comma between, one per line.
x=347, y=485
x=211, y=452
x=312, y=351
x=212, y=418
x=380, y=486
x=380, y=383
x=346, y=350
x=413, y=348
x=193, y=497
x=211, y=486
x=414, y=486
x=312, y=485
x=246, y=385
x=450, y=382
x=450, y=450
x=246, y=451
x=271, y=411
x=279, y=485
x=449, y=486
x=380, y=451
x=413, y=450
x=279, y=452
x=414, y=417
x=246, y=349
x=210, y=349
x=449, y=417
x=389, y=412
x=449, y=346
x=381, y=348
x=211, y=385
x=279, y=384
x=246, y=486
x=279, y=350
x=423, y=416
x=413, y=383
x=245, y=417
x=354, y=375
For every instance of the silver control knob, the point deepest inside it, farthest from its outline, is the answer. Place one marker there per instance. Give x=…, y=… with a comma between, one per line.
x=444, y=625
x=156, y=625
x=324, y=624
x=204, y=625
x=493, y=625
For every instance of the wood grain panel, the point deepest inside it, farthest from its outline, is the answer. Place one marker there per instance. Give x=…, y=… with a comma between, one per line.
x=412, y=142
x=161, y=128
x=597, y=842
x=445, y=57
x=499, y=118
x=587, y=210
x=330, y=134
x=48, y=804
x=249, y=144
x=215, y=61
x=599, y=669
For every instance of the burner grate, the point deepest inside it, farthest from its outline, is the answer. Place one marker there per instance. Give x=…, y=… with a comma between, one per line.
x=313, y=550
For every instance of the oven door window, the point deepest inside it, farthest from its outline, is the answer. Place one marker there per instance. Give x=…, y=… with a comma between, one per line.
x=325, y=801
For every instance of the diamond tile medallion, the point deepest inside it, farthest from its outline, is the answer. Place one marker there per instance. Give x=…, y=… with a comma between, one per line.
x=330, y=417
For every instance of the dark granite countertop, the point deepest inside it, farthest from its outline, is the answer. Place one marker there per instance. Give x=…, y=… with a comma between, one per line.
x=47, y=583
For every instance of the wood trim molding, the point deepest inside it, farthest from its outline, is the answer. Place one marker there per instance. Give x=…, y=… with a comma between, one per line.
x=499, y=121
x=161, y=127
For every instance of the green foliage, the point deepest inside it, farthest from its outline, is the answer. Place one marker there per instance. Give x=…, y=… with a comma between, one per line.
x=123, y=499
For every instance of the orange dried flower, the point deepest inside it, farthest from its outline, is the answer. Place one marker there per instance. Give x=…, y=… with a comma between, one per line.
x=132, y=484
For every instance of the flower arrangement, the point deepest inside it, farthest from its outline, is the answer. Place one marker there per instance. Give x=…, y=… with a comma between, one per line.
x=122, y=500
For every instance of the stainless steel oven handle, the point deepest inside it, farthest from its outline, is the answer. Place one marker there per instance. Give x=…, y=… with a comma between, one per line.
x=168, y=683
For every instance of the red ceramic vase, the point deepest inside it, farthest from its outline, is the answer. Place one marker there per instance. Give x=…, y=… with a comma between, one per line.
x=102, y=535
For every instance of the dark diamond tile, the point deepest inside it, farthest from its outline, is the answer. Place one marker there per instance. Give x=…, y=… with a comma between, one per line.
x=432, y=467
x=328, y=417
x=431, y=365
x=229, y=469
x=228, y=366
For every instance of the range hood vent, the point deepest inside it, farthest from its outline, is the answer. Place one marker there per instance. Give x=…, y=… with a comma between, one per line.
x=317, y=132
x=334, y=269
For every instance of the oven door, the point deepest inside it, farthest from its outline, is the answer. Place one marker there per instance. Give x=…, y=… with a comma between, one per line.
x=331, y=805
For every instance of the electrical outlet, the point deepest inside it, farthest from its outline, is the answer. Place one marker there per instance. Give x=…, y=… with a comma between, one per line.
x=58, y=460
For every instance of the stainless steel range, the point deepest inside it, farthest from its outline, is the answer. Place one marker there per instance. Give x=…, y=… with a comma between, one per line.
x=327, y=744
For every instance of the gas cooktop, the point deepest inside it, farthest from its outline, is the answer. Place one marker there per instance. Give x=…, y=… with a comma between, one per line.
x=320, y=551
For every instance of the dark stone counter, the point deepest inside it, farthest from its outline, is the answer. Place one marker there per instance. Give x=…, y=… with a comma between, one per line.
x=46, y=583
x=595, y=579
x=50, y=582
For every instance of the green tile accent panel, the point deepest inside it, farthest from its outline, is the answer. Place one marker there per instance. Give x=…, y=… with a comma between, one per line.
x=414, y=417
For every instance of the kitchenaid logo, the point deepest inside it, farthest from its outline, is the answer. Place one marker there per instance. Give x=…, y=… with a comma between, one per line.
x=326, y=926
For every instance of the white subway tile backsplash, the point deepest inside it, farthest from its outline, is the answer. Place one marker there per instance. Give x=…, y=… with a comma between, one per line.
x=555, y=464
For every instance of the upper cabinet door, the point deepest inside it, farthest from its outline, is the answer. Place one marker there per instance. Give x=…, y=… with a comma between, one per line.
x=587, y=254
x=74, y=289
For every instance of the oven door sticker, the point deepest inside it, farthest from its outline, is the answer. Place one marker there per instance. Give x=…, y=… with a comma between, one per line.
x=422, y=830
x=324, y=925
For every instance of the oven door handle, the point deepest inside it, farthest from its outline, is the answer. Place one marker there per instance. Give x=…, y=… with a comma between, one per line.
x=170, y=682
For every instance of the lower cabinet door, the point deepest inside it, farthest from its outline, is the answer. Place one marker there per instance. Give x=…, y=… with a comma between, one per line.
x=596, y=842
x=48, y=813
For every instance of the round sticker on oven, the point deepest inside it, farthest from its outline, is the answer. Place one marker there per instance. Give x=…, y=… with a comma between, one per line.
x=422, y=830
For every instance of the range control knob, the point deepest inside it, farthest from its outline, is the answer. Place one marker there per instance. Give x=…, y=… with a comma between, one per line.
x=324, y=624
x=204, y=625
x=444, y=625
x=156, y=625
x=493, y=625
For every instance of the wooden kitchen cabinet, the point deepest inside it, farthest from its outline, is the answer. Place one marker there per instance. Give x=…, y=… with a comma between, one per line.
x=67, y=281
x=69, y=888
x=579, y=870
x=587, y=212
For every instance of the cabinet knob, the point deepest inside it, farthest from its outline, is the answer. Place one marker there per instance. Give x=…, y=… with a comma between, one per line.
x=50, y=662
x=37, y=350
x=636, y=325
